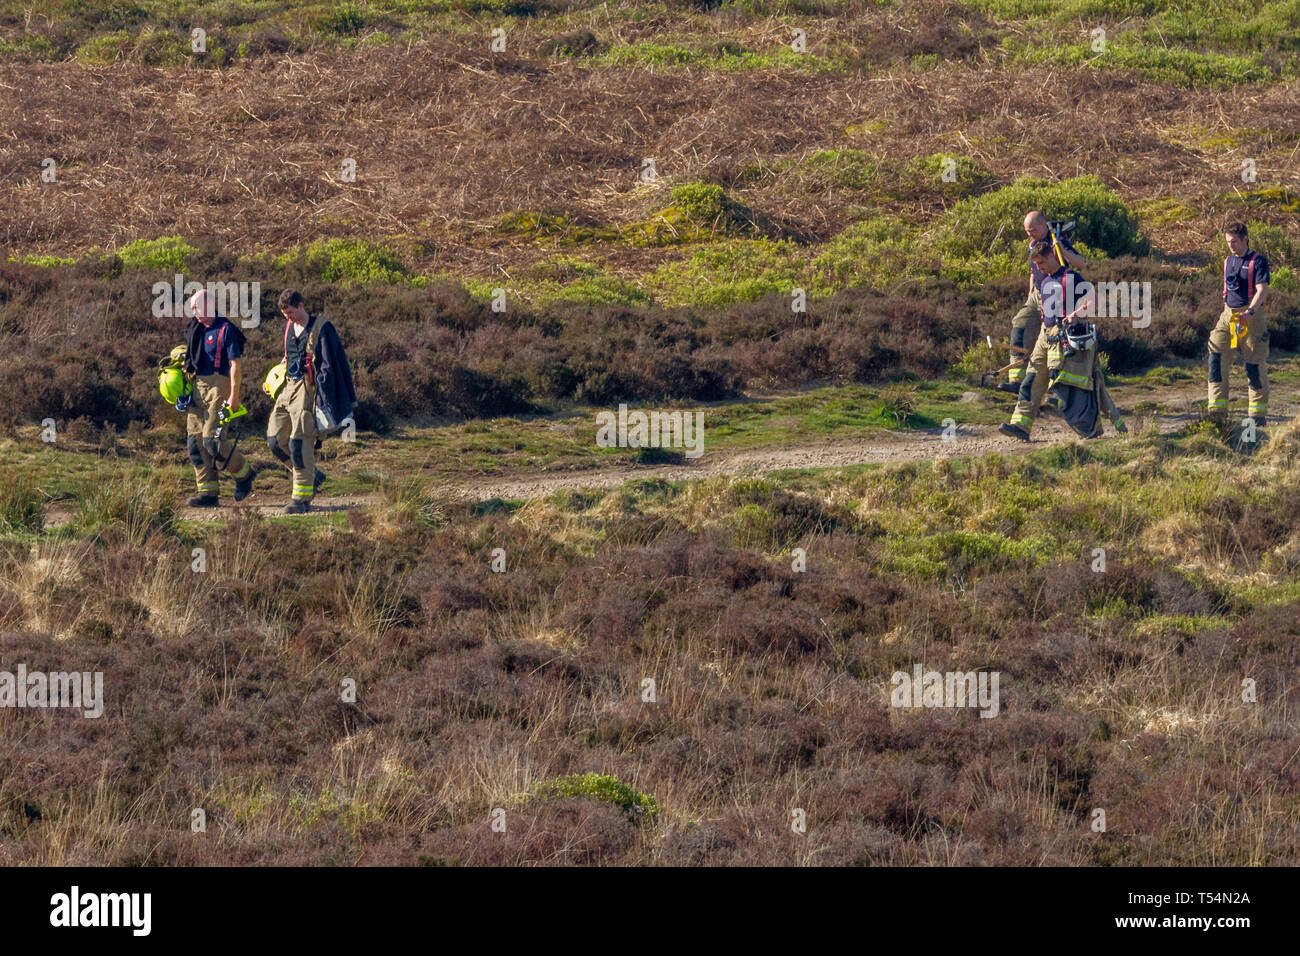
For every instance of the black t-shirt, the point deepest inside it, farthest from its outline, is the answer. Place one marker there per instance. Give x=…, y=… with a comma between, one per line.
x=1062, y=293
x=295, y=349
x=231, y=348
x=1239, y=281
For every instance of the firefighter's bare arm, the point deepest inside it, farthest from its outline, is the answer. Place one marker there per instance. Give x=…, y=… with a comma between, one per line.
x=1068, y=256
x=235, y=379
x=1261, y=295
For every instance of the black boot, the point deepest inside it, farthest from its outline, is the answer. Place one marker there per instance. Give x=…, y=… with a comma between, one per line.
x=319, y=480
x=245, y=485
x=204, y=501
x=298, y=506
x=1011, y=387
x=1015, y=431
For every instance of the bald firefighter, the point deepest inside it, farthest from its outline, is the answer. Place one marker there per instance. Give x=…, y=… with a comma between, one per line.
x=212, y=356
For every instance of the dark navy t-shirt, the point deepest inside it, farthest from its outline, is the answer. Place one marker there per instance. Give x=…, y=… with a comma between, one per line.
x=1237, y=287
x=1034, y=270
x=295, y=349
x=1063, y=292
x=208, y=353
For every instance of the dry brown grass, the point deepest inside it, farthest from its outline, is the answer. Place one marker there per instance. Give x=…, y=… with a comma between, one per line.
x=445, y=137
x=771, y=690
x=475, y=687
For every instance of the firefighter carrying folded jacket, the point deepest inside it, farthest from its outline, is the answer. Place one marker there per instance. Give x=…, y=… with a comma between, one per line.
x=316, y=370
x=1037, y=229
x=212, y=355
x=1061, y=291
x=1241, y=328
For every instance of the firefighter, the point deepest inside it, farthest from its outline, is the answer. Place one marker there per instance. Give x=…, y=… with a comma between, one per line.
x=1061, y=291
x=1038, y=230
x=212, y=357
x=1241, y=329
x=316, y=374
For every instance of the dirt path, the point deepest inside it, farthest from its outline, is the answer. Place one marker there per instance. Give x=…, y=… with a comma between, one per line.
x=973, y=440
x=918, y=445
x=894, y=447
x=897, y=447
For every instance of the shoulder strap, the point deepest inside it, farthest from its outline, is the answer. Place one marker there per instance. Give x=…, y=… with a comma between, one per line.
x=286, y=341
x=221, y=347
x=1250, y=276
x=313, y=339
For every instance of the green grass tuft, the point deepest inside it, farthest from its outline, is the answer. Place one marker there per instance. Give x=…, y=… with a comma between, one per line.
x=980, y=238
x=349, y=261
x=605, y=787
x=167, y=254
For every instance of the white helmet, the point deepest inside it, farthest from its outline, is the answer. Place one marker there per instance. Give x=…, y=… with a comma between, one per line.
x=1081, y=335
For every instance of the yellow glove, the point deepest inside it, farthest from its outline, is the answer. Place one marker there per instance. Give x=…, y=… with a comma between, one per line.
x=1237, y=327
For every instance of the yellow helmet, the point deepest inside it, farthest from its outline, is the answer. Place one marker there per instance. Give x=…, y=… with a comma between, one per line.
x=174, y=387
x=275, y=379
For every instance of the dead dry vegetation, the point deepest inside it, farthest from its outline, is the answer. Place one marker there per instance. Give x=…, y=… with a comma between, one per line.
x=523, y=690
x=81, y=344
x=448, y=139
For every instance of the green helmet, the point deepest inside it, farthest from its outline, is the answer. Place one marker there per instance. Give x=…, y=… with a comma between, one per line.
x=174, y=387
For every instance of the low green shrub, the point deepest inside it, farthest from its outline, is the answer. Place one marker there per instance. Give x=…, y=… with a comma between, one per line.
x=605, y=787
x=983, y=226
x=348, y=261
x=167, y=254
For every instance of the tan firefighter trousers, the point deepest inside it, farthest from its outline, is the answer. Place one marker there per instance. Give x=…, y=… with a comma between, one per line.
x=291, y=433
x=1033, y=389
x=1252, y=346
x=210, y=393
x=1033, y=308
